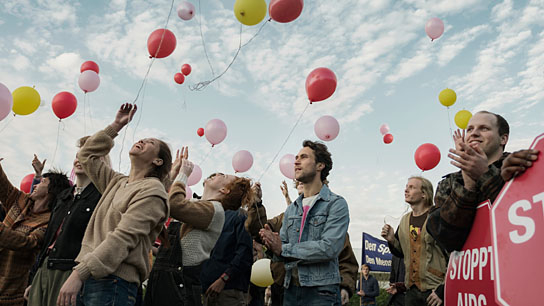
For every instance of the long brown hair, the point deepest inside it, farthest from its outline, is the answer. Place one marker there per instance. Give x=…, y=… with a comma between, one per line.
x=161, y=172
x=240, y=195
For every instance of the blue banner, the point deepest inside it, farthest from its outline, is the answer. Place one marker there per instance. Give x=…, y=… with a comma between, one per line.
x=376, y=253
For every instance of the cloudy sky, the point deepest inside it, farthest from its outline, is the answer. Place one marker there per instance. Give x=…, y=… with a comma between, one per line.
x=388, y=71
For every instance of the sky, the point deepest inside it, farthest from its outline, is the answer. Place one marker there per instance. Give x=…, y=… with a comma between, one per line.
x=387, y=69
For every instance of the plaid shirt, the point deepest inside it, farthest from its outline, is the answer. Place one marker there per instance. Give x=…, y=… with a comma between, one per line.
x=451, y=220
x=21, y=235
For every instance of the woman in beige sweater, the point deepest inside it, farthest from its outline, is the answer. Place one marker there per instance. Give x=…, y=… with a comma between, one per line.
x=113, y=259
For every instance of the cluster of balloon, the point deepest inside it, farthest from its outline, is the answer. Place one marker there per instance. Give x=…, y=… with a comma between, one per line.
x=161, y=43
x=320, y=84
x=186, y=10
x=88, y=79
x=26, y=100
x=427, y=156
x=260, y=273
x=434, y=28
x=287, y=166
x=250, y=12
x=387, y=137
x=185, y=71
x=242, y=161
x=285, y=10
x=326, y=128
x=461, y=118
x=64, y=104
x=216, y=131
x=447, y=97
x=200, y=132
x=195, y=176
x=6, y=101
x=26, y=183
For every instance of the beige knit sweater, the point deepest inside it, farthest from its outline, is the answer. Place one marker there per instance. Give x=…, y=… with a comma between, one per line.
x=127, y=219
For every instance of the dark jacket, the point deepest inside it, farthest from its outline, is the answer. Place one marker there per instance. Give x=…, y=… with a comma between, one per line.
x=451, y=220
x=73, y=214
x=370, y=288
x=396, y=278
x=232, y=254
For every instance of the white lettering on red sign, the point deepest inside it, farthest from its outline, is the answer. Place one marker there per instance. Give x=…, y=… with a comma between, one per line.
x=526, y=222
x=465, y=262
x=470, y=299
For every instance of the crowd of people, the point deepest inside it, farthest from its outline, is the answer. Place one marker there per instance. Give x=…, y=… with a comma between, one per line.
x=99, y=241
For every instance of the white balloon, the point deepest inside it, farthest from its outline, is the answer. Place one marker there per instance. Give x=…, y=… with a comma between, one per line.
x=260, y=273
x=88, y=81
x=186, y=10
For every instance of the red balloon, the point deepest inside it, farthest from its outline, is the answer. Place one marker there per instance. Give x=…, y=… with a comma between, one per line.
x=166, y=47
x=26, y=183
x=200, y=132
x=179, y=78
x=387, y=138
x=285, y=10
x=186, y=69
x=427, y=156
x=320, y=84
x=64, y=104
x=89, y=65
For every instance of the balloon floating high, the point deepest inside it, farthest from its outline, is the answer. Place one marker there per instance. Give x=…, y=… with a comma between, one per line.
x=285, y=10
x=167, y=45
x=26, y=183
x=427, y=156
x=447, y=97
x=384, y=129
x=216, y=131
x=64, y=104
x=195, y=176
x=326, y=128
x=186, y=10
x=26, y=100
x=250, y=12
x=200, y=132
x=242, y=161
x=88, y=81
x=260, y=273
x=461, y=118
x=287, y=166
x=434, y=28
x=179, y=78
x=89, y=65
x=388, y=138
x=320, y=84
x=6, y=101
x=186, y=69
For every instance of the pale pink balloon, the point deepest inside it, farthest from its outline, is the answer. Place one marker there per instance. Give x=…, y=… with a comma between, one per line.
x=434, y=28
x=216, y=131
x=195, y=176
x=6, y=101
x=287, y=166
x=326, y=128
x=88, y=81
x=242, y=161
x=186, y=10
x=188, y=193
x=384, y=129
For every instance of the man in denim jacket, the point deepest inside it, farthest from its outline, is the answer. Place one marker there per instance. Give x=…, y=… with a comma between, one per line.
x=312, y=234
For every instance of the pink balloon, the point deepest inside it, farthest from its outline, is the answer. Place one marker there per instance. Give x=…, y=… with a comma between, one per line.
x=6, y=101
x=195, y=176
x=88, y=81
x=216, y=131
x=186, y=10
x=287, y=166
x=242, y=161
x=384, y=129
x=327, y=128
x=188, y=193
x=427, y=156
x=434, y=28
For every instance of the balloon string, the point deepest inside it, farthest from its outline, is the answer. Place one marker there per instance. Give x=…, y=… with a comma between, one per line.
x=57, y=144
x=202, y=37
x=206, y=156
x=449, y=123
x=284, y=142
x=7, y=123
x=141, y=111
x=201, y=85
x=85, y=114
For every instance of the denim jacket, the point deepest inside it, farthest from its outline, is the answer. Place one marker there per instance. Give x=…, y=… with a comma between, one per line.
x=323, y=236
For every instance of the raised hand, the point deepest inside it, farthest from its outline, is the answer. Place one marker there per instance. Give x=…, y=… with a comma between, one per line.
x=124, y=116
x=257, y=191
x=186, y=165
x=517, y=162
x=285, y=192
x=388, y=233
x=458, y=138
x=471, y=160
x=38, y=165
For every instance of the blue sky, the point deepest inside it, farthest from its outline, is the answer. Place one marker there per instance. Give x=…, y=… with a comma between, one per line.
x=388, y=71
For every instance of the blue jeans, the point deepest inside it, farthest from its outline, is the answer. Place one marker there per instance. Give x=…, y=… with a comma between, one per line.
x=328, y=295
x=110, y=290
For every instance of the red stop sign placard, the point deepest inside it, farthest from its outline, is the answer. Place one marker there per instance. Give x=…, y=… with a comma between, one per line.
x=518, y=234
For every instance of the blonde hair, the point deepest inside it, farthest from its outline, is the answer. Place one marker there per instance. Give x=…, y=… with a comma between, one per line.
x=426, y=188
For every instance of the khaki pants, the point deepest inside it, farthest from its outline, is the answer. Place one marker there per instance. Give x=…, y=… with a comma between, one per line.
x=46, y=286
x=228, y=297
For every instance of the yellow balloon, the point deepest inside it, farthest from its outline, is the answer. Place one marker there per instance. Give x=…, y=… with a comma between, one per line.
x=447, y=97
x=260, y=273
x=26, y=100
x=461, y=118
x=250, y=12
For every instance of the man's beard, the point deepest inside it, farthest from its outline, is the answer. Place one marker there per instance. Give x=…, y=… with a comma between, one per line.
x=306, y=178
